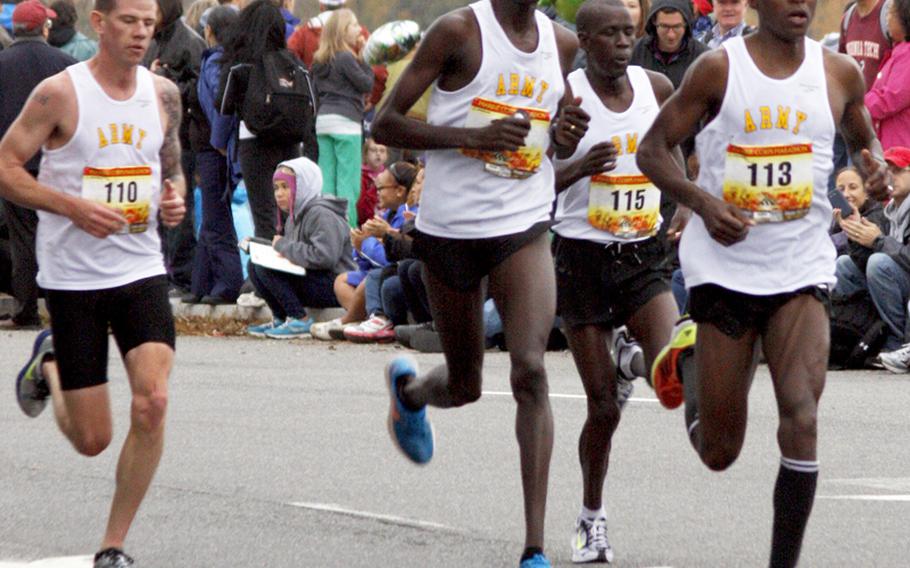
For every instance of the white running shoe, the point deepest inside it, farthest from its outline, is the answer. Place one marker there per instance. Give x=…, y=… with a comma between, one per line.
x=590, y=543
x=897, y=361
x=250, y=300
x=625, y=349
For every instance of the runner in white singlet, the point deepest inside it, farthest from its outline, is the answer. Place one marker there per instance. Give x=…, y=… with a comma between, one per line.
x=756, y=256
x=108, y=129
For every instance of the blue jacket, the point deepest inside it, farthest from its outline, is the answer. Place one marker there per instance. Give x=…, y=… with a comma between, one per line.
x=290, y=22
x=372, y=254
x=224, y=127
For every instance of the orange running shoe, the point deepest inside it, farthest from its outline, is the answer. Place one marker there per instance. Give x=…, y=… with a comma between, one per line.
x=665, y=377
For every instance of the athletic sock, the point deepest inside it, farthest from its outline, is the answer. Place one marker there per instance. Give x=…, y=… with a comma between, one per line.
x=794, y=494
x=530, y=552
x=591, y=515
x=686, y=370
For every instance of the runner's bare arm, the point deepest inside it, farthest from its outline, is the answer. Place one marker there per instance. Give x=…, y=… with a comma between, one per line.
x=441, y=53
x=699, y=97
x=172, y=207
x=32, y=128
x=663, y=90
x=856, y=124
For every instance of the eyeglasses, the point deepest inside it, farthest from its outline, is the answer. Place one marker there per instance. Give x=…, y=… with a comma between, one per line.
x=678, y=28
x=381, y=187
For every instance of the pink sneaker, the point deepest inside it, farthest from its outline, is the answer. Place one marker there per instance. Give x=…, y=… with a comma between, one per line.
x=376, y=329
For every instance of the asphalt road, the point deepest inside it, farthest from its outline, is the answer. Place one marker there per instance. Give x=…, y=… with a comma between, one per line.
x=278, y=456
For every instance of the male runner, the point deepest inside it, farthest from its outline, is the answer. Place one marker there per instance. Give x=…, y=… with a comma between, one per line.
x=757, y=256
x=496, y=69
x=611, y=258
x=109, y=132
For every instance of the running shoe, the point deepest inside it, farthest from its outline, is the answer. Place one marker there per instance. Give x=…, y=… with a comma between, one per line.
x=897, y=361
x=292, y=328
x=113, y=558
x=32, y=389
x=250, y=300
x=410, y=430
x=590, y=543
x=259, y=330
x=625, y=349
x=329, y=330
x=665, y=372
x=376, y=329
x=404, y=333
x=536, y=561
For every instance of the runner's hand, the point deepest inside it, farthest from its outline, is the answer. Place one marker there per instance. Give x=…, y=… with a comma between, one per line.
x=96, y=219
x=601, y=158
x=678, y=223
x=502, y=135
x=172, y=206
x=725, y=222
x=571, y=126
x=878, y=180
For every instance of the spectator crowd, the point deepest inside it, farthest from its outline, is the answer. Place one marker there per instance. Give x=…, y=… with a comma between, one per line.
x=279, y=109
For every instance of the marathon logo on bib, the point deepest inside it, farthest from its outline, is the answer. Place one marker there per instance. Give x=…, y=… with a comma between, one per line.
x=522, y=163
x=126, y=189
x=626, y=206
x=770, y=184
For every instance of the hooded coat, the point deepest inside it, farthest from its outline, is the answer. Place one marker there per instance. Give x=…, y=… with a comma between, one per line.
x=316, y=233
x=674, y=66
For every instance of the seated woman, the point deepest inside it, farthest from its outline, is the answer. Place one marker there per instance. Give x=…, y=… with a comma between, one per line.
x=314, y=236
x=393, y=186
x=850, y=183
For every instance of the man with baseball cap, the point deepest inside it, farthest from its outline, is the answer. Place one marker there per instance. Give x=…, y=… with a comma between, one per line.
x=27, y=62
x=887, y=274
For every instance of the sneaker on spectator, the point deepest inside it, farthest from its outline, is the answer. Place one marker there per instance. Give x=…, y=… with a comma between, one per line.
x=625, y=349
x=329, y=330
x=897, y=361
x=404, y=333
x=426, y=340
x=376, y=329
x=292, y=328
x=250, y=300
x=259, y=330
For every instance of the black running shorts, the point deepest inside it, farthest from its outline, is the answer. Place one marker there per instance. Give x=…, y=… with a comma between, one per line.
x=606, y=285
x=136, y=313
x=463, y=263
x=734, y=313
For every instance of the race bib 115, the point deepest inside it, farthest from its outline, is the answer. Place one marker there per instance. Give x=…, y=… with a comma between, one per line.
x=626, y=206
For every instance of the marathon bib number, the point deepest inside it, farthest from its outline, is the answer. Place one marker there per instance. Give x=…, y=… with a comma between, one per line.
x=770, y=184
x=126, y=189
x=627, y=207
x=522, y=163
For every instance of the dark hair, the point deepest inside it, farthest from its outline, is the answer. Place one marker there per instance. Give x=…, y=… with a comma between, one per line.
x=66, y=14
x=404, y=173
x=259, y=29
x=220, y=19
x=902, y=8
x=105, y=6
x=853, y=169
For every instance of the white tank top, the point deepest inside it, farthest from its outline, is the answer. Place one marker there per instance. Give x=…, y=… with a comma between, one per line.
x=769, y=151
x=621, y=205
x=112, y=158
x=484, y=194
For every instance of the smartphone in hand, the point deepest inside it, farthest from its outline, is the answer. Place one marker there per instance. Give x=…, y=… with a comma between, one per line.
x=838, y=201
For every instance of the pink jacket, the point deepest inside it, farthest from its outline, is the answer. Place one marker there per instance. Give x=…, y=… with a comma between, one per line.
x=889, y=99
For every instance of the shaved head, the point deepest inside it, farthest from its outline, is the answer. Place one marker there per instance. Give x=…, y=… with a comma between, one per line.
x=592, y=11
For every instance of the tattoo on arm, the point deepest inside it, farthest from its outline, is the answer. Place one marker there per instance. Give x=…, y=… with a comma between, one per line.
x=42, y=99
x=170, y=150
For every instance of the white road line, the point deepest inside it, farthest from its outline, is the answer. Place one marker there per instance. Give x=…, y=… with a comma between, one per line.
x=60, y=562
x=568, y=396
x=904, y=498
x=389, y=519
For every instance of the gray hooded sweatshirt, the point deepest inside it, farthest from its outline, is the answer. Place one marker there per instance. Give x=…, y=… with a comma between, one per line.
x=316, y=235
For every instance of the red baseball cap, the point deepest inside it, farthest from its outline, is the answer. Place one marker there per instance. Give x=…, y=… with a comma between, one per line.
x=898, y=156
x=31, y=14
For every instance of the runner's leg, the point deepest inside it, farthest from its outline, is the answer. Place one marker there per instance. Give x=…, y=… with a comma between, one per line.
x=524, y=289
x=148, y=367
x=83, y=415
x=796, y=346
x=652, y=325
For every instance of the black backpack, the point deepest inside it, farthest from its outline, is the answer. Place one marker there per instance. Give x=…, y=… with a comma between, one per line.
x=857, y=331
x=280, y=101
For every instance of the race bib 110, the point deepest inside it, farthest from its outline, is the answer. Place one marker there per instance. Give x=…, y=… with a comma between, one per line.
x=126, y=189
x=770, y=184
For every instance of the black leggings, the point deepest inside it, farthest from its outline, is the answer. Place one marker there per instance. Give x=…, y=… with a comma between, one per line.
x=258, y=161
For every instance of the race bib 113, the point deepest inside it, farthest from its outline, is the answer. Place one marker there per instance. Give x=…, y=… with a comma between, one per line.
x=525, y=161
x=770, y=184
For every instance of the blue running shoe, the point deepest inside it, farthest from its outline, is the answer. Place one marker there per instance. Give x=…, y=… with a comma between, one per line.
x=32, y=389
x=411, y=432
x=536, y=561
x=292, y=328
x=260, y=329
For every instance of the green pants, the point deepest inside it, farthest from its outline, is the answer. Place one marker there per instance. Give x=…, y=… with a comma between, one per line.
x=340, y=161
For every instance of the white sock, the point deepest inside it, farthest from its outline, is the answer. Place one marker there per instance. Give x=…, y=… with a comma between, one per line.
x=591, y=514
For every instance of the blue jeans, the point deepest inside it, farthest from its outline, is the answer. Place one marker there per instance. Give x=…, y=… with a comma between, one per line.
x=680, y=294
x=288, y=295
x=888, y=285
x=385, y=296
